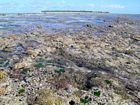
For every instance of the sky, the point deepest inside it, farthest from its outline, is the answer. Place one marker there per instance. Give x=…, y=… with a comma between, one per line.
x=35, y=6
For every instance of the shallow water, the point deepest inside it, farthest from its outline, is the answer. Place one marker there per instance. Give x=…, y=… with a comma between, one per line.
x=14, y=23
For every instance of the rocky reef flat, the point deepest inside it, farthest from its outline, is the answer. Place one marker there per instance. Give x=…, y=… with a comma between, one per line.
x=98, y=65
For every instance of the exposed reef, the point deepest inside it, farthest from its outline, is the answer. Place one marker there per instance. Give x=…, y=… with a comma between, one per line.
x=78, y=68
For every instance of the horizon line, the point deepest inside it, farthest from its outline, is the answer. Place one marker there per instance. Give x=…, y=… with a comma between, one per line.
x=65, y=11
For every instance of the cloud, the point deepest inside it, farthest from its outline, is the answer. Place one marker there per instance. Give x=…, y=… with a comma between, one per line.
x=113, y=6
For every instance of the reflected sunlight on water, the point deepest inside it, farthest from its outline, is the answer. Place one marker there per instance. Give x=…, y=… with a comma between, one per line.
x=14, y=23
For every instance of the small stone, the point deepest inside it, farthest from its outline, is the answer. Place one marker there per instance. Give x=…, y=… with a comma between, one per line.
x=89, y=25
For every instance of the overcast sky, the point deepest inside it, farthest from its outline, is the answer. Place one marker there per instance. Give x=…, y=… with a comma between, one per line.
x=114, y=6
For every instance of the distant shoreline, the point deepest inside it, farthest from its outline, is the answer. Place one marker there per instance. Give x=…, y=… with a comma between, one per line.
x=71, y=11
x=55, y=11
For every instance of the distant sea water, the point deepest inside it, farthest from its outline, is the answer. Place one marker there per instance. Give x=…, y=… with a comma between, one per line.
x=54, y=22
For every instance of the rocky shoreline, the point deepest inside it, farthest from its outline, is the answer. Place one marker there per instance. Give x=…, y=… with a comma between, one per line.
x=72, y=68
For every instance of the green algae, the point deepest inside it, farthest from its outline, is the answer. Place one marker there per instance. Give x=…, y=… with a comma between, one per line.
x=39, y=65
x=60, y=70
x=25, y=71
x=21, y=91
x=85, y=100
x=97, y=93
x=108, y=82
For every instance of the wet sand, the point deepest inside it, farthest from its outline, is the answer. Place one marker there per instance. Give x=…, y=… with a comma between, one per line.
x=95, y=61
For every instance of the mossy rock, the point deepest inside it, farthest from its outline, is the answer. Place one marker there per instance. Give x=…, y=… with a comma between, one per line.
x=50, y=100
x=46, y=97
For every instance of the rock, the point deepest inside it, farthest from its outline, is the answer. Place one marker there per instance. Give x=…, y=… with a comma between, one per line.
x=125, y=102
x=2, y=40
x=15, y=57
x=89, y=26
x=25, y=62
x=64, y=40
x=33, y=52
x=2, y=91
x=46, y=97
x=12, y=101
x=137, y=55
x=5, y=83
x=39, y=27
x=50, y=49
x=3, y=74
x=110, y=26
x=136, y=37
x=139, y=95
x=31, y=43
x=129, y=52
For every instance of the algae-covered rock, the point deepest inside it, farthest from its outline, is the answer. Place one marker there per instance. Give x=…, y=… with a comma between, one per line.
x=2, y=74
x=47, y=97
